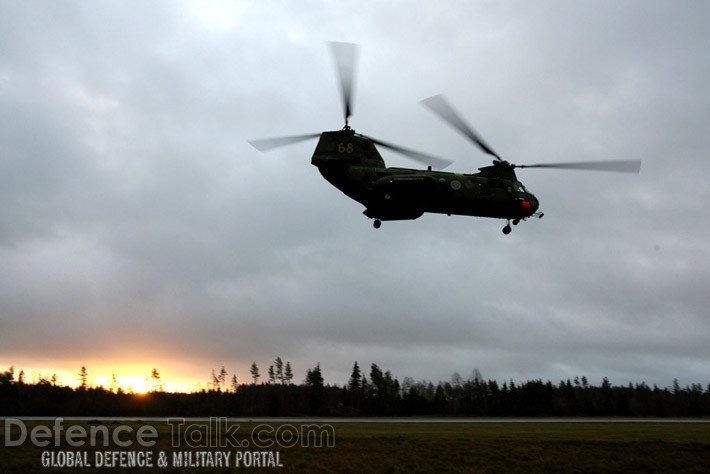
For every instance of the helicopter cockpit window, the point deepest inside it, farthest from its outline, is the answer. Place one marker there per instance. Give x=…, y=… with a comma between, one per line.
x=519, y=189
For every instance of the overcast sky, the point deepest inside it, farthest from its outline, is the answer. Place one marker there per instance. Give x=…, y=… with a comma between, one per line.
x=139, y=229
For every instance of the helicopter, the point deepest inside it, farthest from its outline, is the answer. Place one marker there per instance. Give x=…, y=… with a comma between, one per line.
x=351, y=162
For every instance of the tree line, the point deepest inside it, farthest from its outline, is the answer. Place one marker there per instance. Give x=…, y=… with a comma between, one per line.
x=377, y=393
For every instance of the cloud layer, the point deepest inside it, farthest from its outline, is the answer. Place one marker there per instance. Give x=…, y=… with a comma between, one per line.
x=137, y=226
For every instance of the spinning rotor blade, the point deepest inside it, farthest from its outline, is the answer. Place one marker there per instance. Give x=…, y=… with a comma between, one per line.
x=344, y=55
x=436, y=162
x=265, y=144
x=440, y=106
x=621, y=166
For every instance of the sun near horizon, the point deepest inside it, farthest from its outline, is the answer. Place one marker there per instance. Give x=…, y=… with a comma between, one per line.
x=140, y=381
x=127, y=379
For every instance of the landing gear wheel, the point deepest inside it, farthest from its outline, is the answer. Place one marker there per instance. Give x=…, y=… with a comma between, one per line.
x=507, y=229
x=377, y=224
x=516, y=221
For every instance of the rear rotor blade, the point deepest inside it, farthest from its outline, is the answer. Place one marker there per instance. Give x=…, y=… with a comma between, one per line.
x=345, y=55
x=440, y=106
x=434, y=161
x=265, y=144
x=621, y=166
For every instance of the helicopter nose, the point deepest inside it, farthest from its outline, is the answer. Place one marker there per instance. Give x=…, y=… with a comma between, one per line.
x=530, y=205
x=534, y=203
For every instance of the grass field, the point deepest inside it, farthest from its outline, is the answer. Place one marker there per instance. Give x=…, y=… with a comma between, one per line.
x=386, y=447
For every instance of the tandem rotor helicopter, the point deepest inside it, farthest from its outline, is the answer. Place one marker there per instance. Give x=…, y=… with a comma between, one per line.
x=350, y=162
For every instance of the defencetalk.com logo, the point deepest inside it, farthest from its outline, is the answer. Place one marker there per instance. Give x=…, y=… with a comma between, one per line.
x=215, y=443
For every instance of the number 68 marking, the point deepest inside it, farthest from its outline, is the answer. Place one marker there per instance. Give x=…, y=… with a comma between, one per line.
x=345, y=148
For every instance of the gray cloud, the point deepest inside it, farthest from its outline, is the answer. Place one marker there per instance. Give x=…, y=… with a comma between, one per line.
x=137, y=224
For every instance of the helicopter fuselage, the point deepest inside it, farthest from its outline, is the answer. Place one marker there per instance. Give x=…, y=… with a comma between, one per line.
x=353, y=165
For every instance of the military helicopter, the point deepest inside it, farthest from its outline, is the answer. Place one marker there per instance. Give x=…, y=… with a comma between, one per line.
x=351, y=162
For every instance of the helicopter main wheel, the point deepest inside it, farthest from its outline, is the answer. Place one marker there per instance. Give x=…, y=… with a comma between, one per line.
x=377, y=224
x=507, y=229
x=516, y=222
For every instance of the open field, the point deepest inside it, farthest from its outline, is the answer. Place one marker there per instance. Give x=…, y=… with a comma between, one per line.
x=579, y=446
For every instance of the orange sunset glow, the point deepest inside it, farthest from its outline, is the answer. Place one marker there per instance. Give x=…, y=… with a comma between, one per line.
x=128, y=378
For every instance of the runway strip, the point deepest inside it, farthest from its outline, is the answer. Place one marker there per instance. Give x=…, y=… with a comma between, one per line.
x=125, y=419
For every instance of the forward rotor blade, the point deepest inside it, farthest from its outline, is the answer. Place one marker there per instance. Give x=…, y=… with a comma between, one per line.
x=440, y=106
x=434, y=161
x=621, y=166
x=265, y=144
x=345, y=55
